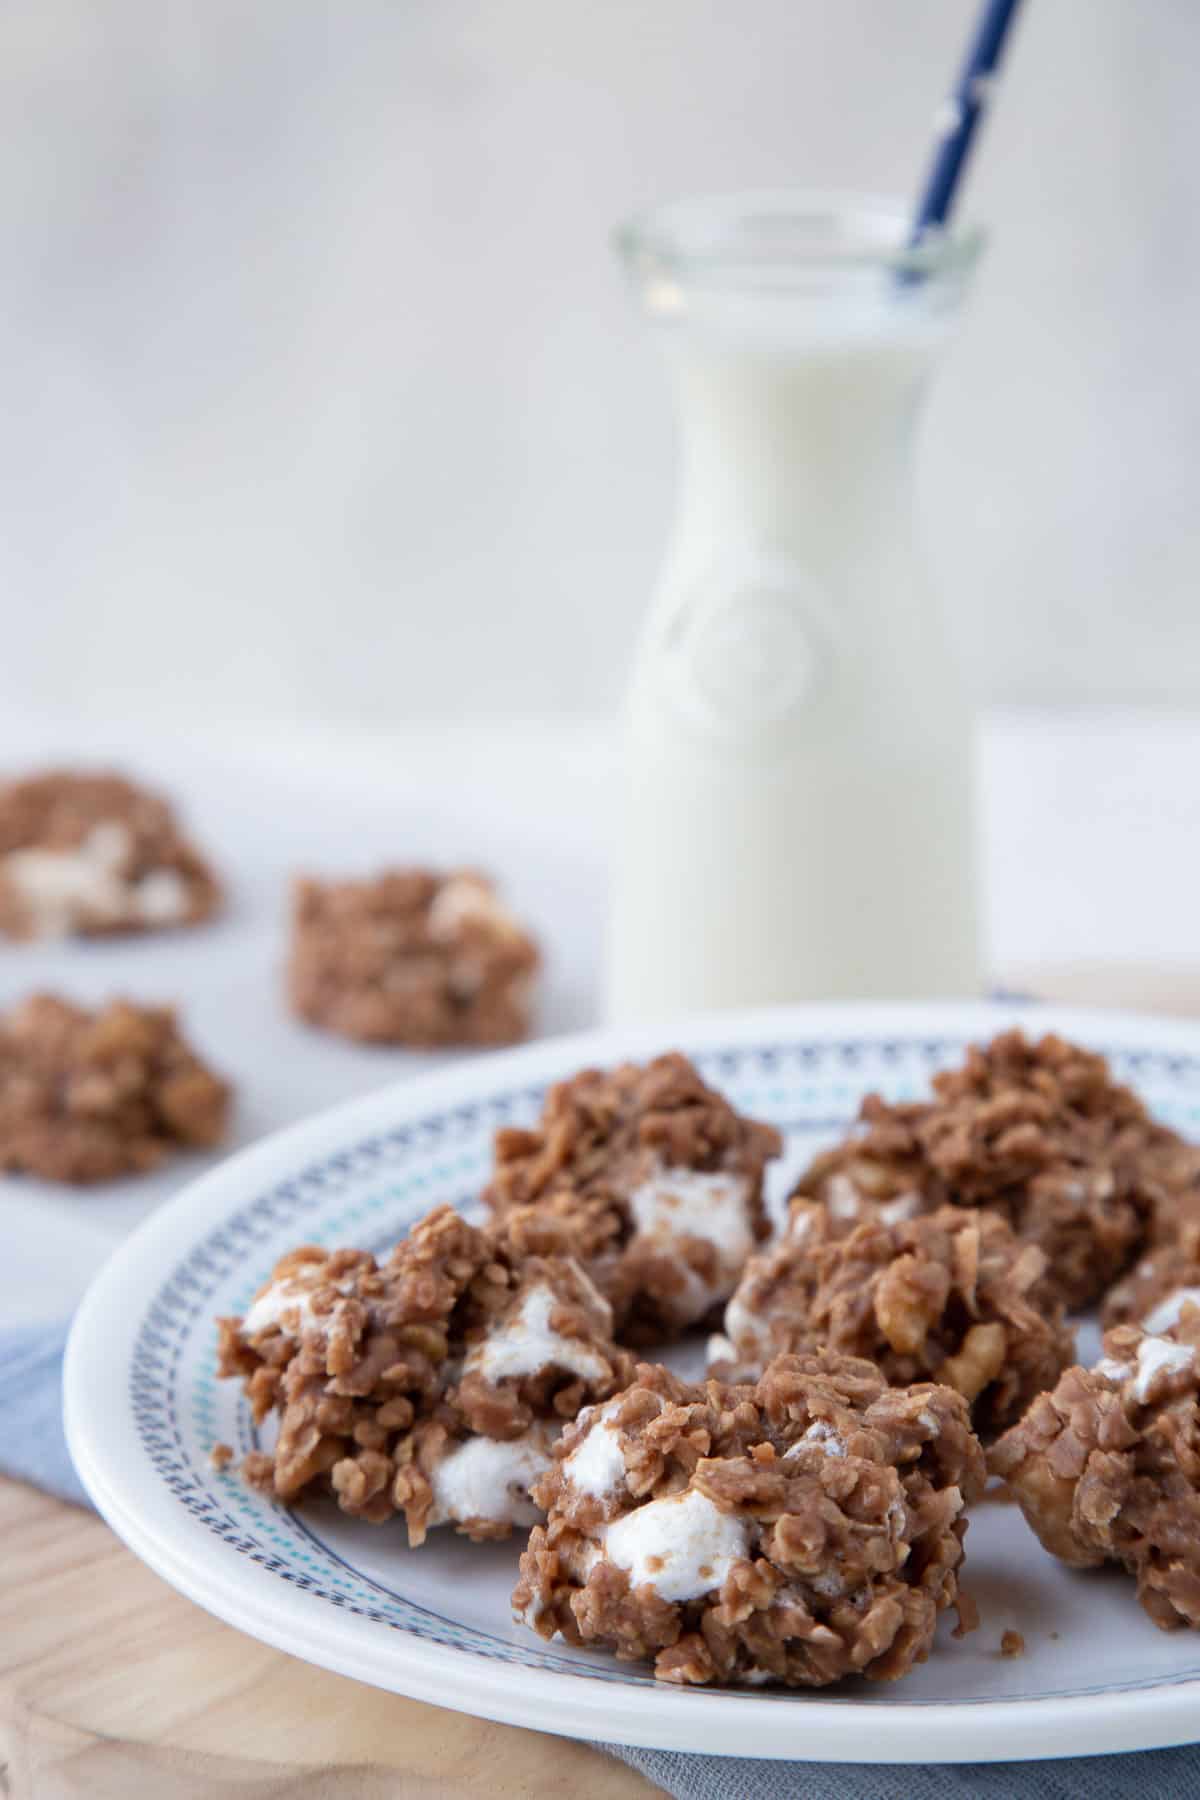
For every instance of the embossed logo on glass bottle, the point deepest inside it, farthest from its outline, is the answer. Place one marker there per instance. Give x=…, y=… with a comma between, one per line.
x=748, y=647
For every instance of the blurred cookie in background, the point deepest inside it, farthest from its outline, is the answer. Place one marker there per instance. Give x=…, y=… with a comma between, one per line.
x=411, y=957
x=88, y=1096
x=94, y=854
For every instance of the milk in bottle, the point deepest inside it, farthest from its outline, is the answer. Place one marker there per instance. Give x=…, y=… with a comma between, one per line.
x=797, y=806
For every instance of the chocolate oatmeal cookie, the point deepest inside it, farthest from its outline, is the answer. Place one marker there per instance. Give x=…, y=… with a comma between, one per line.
x=1165, y=1279
x=1106, y=1469
x=95, y=855
x=766, y=1313
x=652, y=1178
x=1037, y=1132
x=795, y=1531
x=951, y=1297
x=411, y=957
x=431, y=1384
x=87, y=1096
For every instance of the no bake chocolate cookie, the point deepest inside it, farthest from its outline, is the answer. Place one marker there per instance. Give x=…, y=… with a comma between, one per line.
x=1039, y=1132
x=411, y=957
x=87, y=1096
x=796, y=1531
x=1166, y=1277
x=95, y=854
x=1106, y=1468
x=430, y=1384
x=951, y=1297
x=652, y=1178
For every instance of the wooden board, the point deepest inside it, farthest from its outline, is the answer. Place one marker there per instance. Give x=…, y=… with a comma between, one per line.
x=113, y=1687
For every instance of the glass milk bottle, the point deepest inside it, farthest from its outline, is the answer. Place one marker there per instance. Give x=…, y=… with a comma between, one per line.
x=797, y=806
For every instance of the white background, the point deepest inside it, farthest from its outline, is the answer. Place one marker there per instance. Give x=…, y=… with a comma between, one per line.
x=323, y=399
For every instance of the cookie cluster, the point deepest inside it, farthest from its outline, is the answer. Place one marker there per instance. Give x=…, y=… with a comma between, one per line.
x=800, y=1516
x=407, y=957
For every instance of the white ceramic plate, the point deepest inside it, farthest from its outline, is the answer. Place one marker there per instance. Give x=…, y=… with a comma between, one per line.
x=143, y=1410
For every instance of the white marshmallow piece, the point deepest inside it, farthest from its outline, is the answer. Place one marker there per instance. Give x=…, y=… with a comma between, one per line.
x=843, y=1198
x=596, y=1466
x=1168, y=1312
x=675, y=1203
x=283, y=1298
x=161, y=897
x=525, y=1343
x=487, y=1479
x=465, y=900
x=61, y=888
x=682, y=1547
x=1158, y=1358
x=904, y=1206
x=821, y=1434
x=745, y=1328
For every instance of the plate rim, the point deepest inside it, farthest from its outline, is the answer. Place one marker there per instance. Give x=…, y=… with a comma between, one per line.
x=580, y=1705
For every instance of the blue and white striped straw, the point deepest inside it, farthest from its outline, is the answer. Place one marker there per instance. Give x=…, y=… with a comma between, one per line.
x=959, y=114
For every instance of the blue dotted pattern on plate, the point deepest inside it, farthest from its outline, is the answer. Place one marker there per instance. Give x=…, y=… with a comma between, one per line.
x=370, y=1194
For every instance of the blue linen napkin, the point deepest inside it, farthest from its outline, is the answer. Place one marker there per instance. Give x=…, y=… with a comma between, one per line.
x=32, y=1445
x=33, y=1449
x=1170, y=1774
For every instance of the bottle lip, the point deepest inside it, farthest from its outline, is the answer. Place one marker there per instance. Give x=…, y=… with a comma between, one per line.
x=781, y=237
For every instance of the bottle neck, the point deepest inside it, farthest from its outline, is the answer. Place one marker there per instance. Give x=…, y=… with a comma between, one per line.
x=804, y=448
